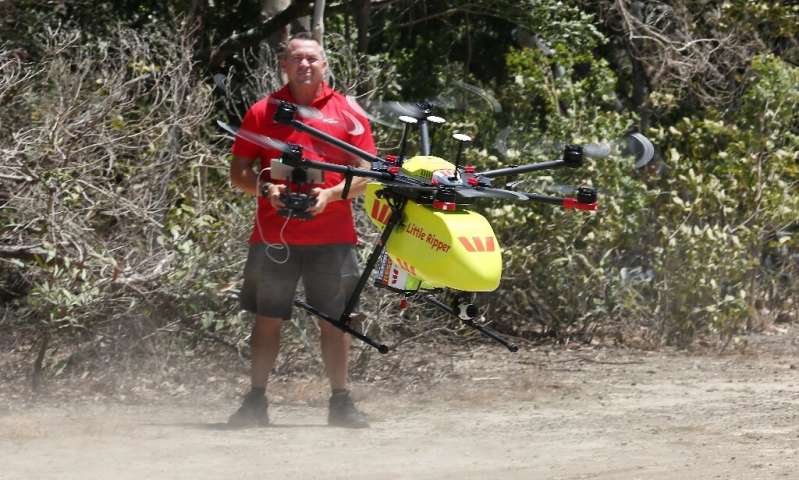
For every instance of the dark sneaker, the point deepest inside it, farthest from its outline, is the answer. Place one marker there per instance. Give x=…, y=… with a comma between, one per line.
x=251, y=413
x=342, y=412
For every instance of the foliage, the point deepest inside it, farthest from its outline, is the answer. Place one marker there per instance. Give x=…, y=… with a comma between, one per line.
x=677, y=251
x=116, y=186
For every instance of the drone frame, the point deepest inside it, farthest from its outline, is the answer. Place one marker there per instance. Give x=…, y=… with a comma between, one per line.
x=398, y=190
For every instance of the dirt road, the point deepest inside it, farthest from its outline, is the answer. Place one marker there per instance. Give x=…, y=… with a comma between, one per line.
x=562, y=414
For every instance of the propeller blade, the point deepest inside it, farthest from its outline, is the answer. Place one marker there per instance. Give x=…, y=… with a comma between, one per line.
x=263, y=140
x=303, y=111
x=542, y=185
x=460, y=96
x=636, y=146
x=256, y=138
x=345, y=119
x=465, y=96
x=641, y=148
x=596, y=150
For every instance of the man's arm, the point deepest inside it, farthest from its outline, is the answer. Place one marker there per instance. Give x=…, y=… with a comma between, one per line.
x=332, y=194
x=243, y=176
x=245, y=179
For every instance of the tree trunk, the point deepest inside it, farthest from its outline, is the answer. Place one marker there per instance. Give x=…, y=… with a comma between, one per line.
x=640, y=80
x=270, y=8
x=318, y=23
x=362, y=11
x=274, y=25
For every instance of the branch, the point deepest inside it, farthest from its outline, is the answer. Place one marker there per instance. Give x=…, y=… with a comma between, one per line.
x=251, y=37
x=23, y=252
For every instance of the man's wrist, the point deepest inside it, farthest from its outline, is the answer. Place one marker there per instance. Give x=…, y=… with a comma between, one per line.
x=266, y=189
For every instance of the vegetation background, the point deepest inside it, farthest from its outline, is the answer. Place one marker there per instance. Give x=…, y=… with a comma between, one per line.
x=122, y=242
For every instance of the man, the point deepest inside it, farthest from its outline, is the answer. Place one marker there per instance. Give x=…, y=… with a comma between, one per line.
x=320, y=250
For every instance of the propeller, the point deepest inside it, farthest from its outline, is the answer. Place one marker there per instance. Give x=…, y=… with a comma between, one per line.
x=558, y=189
x=255, y=138
x=268, y=142
x=344, y=119
x=634, y=146
x=641, y=148
x=459, y=96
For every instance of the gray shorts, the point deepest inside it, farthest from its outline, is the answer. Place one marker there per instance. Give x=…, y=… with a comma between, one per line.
x=329, y=274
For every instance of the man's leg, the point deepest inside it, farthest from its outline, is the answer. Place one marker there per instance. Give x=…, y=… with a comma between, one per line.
x=335, y=354
x=268, y=292
x=330, y=275
x=264, y=346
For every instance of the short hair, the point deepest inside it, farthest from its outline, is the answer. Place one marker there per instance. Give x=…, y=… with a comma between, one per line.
x=303, y=35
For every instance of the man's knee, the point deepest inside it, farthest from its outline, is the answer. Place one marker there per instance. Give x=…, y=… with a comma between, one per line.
x=266, y=327
x=328, y=331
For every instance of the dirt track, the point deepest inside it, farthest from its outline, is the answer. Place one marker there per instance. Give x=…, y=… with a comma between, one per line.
x=585, y=414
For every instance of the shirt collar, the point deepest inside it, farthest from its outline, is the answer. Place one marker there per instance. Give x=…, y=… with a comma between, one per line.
x=324, y=93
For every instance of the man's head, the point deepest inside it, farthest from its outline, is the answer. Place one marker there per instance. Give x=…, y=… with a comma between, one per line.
x=303, y=62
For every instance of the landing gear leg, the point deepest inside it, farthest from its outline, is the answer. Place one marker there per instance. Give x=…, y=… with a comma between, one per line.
x=467, y=311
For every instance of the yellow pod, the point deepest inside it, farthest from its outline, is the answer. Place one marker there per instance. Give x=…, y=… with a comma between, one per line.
x=455, y=249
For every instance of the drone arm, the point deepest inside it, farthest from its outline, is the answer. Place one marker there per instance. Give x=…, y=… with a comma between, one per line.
x=346, y=170
x=583, y=201
x=533, y=167
x=573, y=156
x=285, y=115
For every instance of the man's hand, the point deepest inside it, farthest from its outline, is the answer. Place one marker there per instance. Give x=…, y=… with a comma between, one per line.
x=323, y=197
x=273, y=193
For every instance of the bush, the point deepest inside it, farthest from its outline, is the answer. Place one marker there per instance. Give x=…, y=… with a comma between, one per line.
x=675, y=251
x=117, y=210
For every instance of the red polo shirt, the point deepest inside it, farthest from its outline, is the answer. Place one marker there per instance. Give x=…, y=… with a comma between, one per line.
x=341, y=118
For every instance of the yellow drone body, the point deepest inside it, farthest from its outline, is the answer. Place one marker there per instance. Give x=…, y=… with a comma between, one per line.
x=433, y=247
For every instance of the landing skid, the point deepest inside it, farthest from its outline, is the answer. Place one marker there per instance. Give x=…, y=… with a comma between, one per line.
x=344, y=321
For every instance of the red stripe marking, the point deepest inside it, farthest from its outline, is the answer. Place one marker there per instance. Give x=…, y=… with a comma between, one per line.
x=465, y=242
x=380, y=212
x=406, y=266
x=384, y=212
x=490, y=244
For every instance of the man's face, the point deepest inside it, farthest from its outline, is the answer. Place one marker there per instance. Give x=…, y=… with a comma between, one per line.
x=304, y=63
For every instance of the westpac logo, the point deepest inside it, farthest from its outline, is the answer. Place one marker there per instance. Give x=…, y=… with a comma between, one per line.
x=381, y=212
x=478, y=244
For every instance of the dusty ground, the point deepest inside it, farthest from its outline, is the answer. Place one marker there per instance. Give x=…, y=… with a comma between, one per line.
x=589, y=413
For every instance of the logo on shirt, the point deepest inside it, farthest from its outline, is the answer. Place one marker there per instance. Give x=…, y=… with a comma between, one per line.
x=354, y=127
